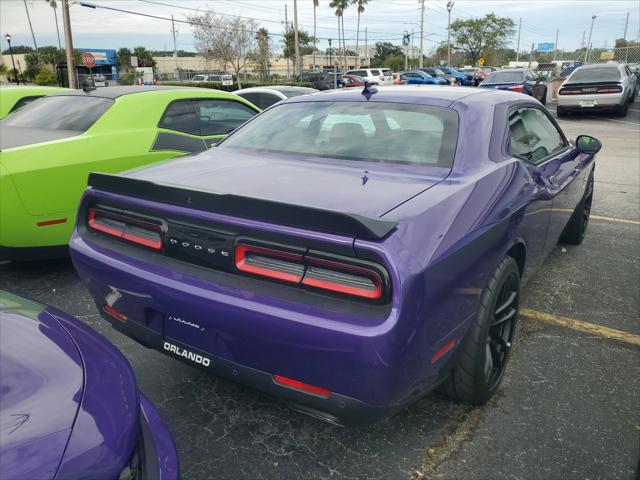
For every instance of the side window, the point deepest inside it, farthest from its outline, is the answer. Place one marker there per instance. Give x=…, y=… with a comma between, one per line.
x=23, y=101
x=533, y=135
x=179, y=116
x=375, y=73
x=219, y=117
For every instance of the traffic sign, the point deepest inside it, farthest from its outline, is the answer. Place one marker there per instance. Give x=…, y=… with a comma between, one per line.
x=546, y=47
x=88, y=60
x=481, y=61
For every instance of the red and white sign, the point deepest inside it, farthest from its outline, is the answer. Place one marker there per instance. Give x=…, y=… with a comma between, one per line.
x=88, y=60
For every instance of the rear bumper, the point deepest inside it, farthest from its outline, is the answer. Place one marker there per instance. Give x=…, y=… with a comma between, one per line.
x=591, y=102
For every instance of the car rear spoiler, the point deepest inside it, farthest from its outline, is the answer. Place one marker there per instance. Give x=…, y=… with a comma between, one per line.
x=311, y=218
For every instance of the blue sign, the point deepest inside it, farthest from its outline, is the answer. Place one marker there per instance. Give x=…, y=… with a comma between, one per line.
x=546, y=47
x=103, y=56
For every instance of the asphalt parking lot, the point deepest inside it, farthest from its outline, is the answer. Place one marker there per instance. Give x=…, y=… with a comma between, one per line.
x=568, y=407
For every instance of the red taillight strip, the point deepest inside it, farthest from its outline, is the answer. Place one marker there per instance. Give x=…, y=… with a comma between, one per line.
x=303, y=387
x=52, y=222
x=374, y=294
x=124, y=234
x=241, y=262
x=114, y=313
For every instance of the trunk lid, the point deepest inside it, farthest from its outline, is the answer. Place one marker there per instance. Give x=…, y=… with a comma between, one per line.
x=360, y=188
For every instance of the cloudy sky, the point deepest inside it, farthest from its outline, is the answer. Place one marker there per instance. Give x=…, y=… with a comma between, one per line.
x=386, y=20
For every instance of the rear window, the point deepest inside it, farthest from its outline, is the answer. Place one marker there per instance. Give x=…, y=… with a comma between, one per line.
x=73, y=112
x=583, y=74
x=378, y=132
x=504, y=77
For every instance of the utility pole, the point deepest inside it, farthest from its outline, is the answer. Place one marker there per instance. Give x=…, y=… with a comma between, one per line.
x=555, y=45
x=533, y=46
x=584, y=33
x=30, y=26
x=626, y=24
x=593, y=19
x=68, y=41
x=366, y=46
x=315, y=36
x=175, y=48
x=421, y=33
x=297, y=69
x=518, y=47
x=413, y=51
x=286, y=31
x=449, y=8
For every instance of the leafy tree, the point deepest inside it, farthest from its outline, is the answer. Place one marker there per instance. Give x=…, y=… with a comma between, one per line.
x=340, y=6
x=305, y=42
x=51, y=55
x=123, y=57
x=263, y=52
x=18, y=49
x=384, y=50
x=46, y=77
x=228, y=40
x=477, y=35
x=4, y=70
x=145, y=59
x=394, y=62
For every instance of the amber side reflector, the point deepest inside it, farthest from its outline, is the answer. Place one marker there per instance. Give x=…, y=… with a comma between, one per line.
x=302, y=387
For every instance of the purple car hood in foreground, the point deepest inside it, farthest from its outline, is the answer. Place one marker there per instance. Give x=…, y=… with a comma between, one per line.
x=363, y=188
x=40, y=388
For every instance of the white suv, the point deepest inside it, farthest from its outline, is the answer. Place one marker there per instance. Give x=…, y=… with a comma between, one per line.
x=375, y=76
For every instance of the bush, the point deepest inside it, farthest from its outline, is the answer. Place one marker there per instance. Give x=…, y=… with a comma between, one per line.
x=234, y=87
x=128, y=78
x=46, y=77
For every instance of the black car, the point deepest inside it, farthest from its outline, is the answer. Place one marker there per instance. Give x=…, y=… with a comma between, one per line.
x=520, y=80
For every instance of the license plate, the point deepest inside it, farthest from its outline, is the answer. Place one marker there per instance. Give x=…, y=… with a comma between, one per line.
x=587, y=103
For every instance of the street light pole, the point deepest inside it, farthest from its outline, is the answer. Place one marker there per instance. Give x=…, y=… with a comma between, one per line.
x=7, y=37
x=66, y=20
x=421, y=63
x=593, y=19
x=297, y=69
x=449, y=8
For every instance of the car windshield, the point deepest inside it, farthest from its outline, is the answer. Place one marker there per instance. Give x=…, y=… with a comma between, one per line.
x=65, y=112
x=504, y=77
x=296, y=92
x=596, y=75
x=373, y=132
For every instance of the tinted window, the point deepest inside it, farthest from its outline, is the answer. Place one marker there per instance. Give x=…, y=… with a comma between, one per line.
x=358, y=73
x=504, y=77
x=297, y=92
x=602, y=74
x=534, y=137
x=73, y=112
x=381, y=132
x=375, y=73
x=260, y=99
x=23, y=101
x=221, y=116
x=180, y=116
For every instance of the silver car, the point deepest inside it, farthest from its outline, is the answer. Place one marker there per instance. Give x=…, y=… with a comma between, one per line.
x=608, y=86
x=264, y=97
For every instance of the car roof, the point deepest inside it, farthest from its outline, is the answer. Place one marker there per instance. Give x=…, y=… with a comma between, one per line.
x=115, y=92
x=437, y=95
x=596, y=66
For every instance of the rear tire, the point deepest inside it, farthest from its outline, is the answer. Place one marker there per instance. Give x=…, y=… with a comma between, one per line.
x=576, y=229
x=562, y=112
x=622, y=110
x=485, y=350
x=543, y=100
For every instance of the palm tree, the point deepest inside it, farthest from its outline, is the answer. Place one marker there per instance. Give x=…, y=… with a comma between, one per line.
x=360, y=4
x=316, y=3
x=340, y=6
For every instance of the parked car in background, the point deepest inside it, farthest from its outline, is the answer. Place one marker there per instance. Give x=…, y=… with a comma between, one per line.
x=70, y=405
x=330, y=263
x=14, y=97
x=321, y=80
x=48, y=148
x=437, y=73
x=264, y=97
x=418, y=77
x=375, y=76
x=350, y=81
x=223, y=79
x=462, y=78
x=608, y=86
x=478, y=74
x=520, y=80
x=397, y=79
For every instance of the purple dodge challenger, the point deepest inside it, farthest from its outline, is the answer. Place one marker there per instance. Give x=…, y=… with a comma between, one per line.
x=69, y=403
x=346, y=251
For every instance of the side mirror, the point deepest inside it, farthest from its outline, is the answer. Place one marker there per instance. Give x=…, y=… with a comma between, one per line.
x=588, y=144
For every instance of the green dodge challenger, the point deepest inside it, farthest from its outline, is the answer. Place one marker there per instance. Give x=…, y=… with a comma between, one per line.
x=48, y=148
x=14, y=97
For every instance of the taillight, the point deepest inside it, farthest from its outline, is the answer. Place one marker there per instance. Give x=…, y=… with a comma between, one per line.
x=570, y=91
x=343, y=278
x=266, y=262
x=609, y=90
x=381, y=77
x=126, y=228
x=517, y=88
x=303, y=387
x=363, y=281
